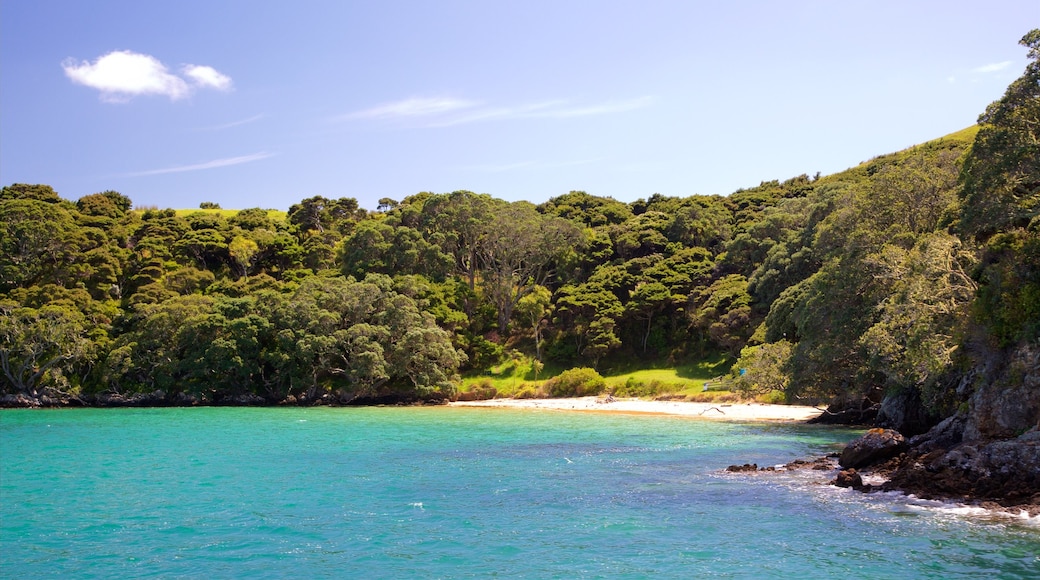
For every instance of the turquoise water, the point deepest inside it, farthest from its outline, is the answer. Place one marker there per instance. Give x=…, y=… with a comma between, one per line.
x=455, y=492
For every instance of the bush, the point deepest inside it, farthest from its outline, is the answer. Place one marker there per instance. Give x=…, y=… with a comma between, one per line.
x=579, y=382
x=481, y=391
x=772, y=398
x=530, y=392
x=637, y=388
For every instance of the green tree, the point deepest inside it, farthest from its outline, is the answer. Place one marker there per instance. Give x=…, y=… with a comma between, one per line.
x=763, y=368
x=518, y=251
x=919, y=325
x=722, y=312
x=39, y=348
x=1001, y=175
x=533, y=308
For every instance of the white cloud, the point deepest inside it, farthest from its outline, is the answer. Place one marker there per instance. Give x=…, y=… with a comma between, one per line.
x=122, y=75
x=991, y=68
x=413, y=107
x=207, y=76
x=206, y=165
x=449, y=112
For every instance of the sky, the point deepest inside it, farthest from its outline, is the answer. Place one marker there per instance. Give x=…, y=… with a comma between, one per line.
x=259, y=103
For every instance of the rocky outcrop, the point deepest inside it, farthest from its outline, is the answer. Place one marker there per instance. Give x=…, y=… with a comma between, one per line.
x=876, y=446
x=1006, y=472
x=848, y=478
x=989, y=451
x=742, y=468
x=1009, y=405
x=904, y=411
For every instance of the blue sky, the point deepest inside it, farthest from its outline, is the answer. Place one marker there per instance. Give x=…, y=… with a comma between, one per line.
x=263, y=103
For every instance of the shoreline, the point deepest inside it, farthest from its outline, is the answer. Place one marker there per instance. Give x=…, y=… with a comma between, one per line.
x=714, y=411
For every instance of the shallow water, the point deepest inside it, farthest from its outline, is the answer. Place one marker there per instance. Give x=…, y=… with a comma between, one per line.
x=455, y=492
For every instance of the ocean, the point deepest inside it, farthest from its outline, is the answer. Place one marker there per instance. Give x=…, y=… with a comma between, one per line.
x=439, y=492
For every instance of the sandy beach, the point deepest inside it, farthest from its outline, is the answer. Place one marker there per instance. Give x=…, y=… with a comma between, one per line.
x=717, y=411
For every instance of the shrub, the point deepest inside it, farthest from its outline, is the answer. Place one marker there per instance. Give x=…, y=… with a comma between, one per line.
x=578, y=382
x=637, y=388
x=530, y=392
x=481, y=391
x=772, y=398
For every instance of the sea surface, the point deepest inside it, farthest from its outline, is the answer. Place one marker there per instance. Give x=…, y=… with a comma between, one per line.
x=458, y=492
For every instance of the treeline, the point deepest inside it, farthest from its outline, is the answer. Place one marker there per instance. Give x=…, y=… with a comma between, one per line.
x=891, y=277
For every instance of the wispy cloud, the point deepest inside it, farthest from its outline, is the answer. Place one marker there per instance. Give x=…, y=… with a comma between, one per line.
x=122, y=75
x=226, y=162
x=438, y=112
x=238, y=123
x=414, y=107
x=992, y=68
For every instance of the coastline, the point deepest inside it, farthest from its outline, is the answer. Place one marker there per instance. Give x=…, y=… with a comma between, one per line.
x=714, y=411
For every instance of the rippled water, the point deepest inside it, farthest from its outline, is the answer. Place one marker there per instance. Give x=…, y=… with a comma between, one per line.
x=450, y=492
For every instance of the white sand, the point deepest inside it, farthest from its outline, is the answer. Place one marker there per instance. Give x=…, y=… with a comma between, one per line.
x=723, y=411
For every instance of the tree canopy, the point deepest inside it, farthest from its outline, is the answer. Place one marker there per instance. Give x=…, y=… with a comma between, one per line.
x=889, y=276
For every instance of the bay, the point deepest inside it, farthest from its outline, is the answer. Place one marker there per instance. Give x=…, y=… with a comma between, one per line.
x=454, y=492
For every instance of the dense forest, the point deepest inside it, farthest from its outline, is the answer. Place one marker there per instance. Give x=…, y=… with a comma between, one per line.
x=894, y=278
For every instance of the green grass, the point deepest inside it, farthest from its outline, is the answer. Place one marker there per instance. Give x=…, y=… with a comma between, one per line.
x=629, y=378
x=275, y=214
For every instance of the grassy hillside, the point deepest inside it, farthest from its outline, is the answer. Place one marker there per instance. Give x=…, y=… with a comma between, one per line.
x=275, y=214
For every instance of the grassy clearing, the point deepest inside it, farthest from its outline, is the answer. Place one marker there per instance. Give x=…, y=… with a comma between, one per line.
x=276, y=215
x=516, y=378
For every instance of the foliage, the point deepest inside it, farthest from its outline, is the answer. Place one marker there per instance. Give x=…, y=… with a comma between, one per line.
x=892, y=275
x=576, y=382
x=763, y=369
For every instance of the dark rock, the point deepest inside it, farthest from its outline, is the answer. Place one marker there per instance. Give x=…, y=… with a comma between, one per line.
x=19, y=400
x=1008, y=405
x=243, y=400
x=903, y=411
x=875, y=446
x=741, y=468
x=1007, y=471
x=848, y=478
x=948, y=433
x=818, y=464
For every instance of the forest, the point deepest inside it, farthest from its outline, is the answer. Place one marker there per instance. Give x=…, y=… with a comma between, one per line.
x=895, y=277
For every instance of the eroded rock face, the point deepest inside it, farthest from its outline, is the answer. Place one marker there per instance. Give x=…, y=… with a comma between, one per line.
x=875, y=446
x=1009, y=405
x=1007, y=471
x=903, y=411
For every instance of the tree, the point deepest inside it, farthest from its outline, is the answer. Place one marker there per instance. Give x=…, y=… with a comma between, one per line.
x=722, y=311
x=919, y=324
x=242, y=250
x=37, y=240
x=763, y=368
x=533, y=308
x=914, y=194
x=457, y=222
x=1001, y=175
x=378, y=247
x=649, y=299
x=40, y=347
x=585, y=311
x=517, y=252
